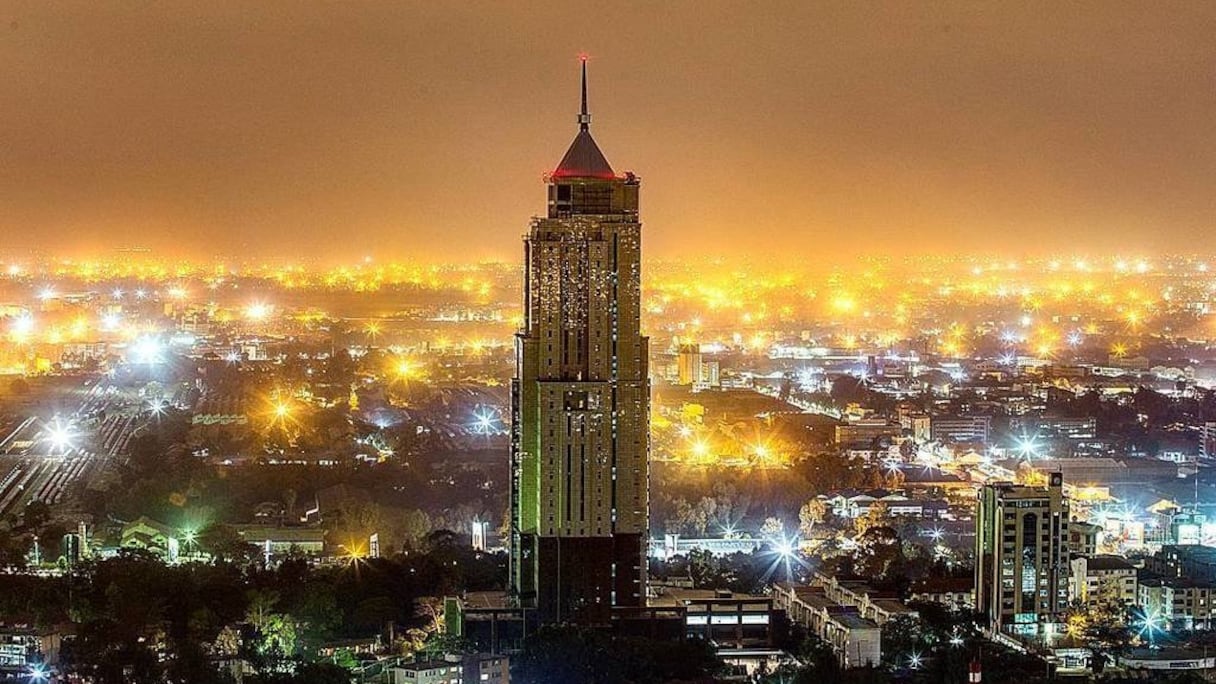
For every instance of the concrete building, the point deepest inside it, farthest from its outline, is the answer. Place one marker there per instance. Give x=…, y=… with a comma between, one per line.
x=1207, y=439
x=428, y=672
x=487, y=668
x=856, y=640
x=22, y=646
x=1108, y=581
x=688, y=364
x=581, y=397
x=725, y=619
x=949, y=429
x=1055, y=426
x=1182, y=602
x=274, y=540
x=1021, y=581
x=955, y=593
x=1190, y=560
x=1083, y=537
x=866, y=432
x=871, y=604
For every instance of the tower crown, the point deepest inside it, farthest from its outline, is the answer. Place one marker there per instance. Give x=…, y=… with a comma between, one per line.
x=584, y=158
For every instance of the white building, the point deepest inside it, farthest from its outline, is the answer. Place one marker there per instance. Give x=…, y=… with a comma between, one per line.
x=1102, y=580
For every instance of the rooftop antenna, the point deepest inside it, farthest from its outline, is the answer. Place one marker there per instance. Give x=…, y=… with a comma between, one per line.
x=584, y=119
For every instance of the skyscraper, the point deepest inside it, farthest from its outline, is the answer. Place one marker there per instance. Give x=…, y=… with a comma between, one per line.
x=1021, y=556
x=581, y=396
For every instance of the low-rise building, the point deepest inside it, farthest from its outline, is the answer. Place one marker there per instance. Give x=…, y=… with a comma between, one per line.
x=955, y=593
x=723, y=618
x=428, y=672
x=857, y=641
x=486, y=668
x=23, y=646
x=277, y=540
x=878, y=606
x=1102, y=581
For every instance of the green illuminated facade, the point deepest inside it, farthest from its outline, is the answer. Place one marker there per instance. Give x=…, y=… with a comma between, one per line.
x=581, y=397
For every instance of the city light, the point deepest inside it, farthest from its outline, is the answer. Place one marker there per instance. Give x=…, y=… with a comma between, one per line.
x=1027, y=447
x=21, y=328
x=1149, y=624
x=890, y=399
x=157, y=407
x=486, y=422
x=60, y=435
x=258, y=311
x=147, y=350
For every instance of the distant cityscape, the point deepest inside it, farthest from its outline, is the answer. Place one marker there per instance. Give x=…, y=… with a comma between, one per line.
x=593, y=467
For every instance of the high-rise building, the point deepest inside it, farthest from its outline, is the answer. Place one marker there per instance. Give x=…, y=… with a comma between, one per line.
x=1021, y=558
x=688, y=364
x=581, y=396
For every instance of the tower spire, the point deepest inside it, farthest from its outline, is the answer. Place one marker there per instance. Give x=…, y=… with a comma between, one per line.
x=584, y=119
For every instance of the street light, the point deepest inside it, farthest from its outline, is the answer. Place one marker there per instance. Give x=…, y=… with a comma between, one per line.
x=1028, y=447
x=60, y=436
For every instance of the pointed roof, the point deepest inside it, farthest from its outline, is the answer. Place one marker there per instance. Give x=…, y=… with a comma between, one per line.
x=584, y=158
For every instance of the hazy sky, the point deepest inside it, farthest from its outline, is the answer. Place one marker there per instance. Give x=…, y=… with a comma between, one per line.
x=417, y=127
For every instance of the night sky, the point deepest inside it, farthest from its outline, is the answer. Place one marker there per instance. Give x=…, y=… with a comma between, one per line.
x=809, y=130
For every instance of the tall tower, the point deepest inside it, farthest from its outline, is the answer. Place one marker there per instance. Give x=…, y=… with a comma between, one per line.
x=580, y=409
x=1021, y=555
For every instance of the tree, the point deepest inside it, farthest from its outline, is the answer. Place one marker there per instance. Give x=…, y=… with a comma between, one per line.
x=37, y=513
x=876, y=515
x=811, y=514
x=772, y=528
x=880, y=552
x=225, y=543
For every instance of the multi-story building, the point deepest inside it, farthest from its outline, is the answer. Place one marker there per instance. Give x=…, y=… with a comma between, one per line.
x=960, y=428
x=856, y=640
x=1021, y=580
x=866, y=431
x=1178, y=560
x=22, y=647
x=428, y=672
x=490, y=668
x=1106, y=581
x=1055, y=426
x=725, y=619
x=1083, y=537
x=1207, y=439
x=1181, y=602
x=581, y=397
x=688, y=364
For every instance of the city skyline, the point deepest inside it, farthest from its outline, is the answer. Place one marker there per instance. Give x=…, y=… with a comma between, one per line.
x=343, y=131
x=902, y=369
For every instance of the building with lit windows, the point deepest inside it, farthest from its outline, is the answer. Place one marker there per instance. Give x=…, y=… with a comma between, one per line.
x=856, y=640
x=688, y=364
x=428, y=672
x=951, y=429
x=1178, y=602
x=1102, y=581
x=581, y=397
x=1021, y=570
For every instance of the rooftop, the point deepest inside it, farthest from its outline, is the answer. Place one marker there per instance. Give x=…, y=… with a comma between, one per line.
x=584, y=160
